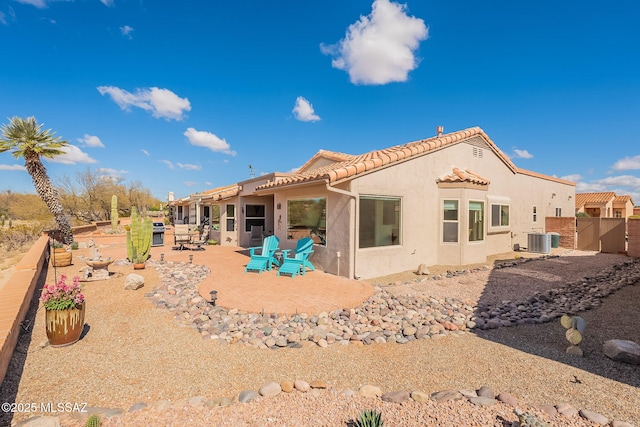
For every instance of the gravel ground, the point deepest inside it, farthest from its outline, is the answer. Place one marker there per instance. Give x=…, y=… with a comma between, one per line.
x=135, y=353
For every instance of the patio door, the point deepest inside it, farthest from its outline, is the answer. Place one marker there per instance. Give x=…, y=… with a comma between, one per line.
x=229, y=229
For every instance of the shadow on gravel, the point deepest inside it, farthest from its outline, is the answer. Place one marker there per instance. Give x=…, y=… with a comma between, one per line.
x=9, y=386
x=608, y=300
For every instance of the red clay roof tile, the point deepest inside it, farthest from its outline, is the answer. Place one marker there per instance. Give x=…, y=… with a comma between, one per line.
x=349, y=166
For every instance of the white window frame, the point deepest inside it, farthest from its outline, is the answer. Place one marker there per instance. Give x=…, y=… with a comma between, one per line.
x=498, y=201
x=247, y=218
x=450, y=221
x=482, y=220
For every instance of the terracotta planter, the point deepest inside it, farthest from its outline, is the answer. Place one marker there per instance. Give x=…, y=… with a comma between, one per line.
x=64, y=327
x=61, y=258
x=139, y=266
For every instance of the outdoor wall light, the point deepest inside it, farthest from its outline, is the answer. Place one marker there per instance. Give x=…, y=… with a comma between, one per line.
x=161, y=257
x=191, y=258
x=214, y=297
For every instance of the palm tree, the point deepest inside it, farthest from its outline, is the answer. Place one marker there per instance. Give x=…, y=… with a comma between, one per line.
x=26, y=139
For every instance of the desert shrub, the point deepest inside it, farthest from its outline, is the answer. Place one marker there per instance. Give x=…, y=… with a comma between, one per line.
x=19, y=236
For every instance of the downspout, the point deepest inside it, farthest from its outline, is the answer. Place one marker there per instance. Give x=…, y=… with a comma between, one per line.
x=352, y=231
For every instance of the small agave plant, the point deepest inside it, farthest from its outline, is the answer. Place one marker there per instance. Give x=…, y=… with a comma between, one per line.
x=369, y=418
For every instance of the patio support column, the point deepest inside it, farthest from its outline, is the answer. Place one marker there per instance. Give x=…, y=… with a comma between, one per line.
x=352, y=227
x=198, y=211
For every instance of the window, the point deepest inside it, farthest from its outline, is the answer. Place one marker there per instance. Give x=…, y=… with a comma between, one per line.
x=558, y=211
x=215, y=217
x=450, y=221
x=307, y=218
x=379, y=222
x=231, y=217
x=206, y=214
x=617, y=214
x=476, y=227
x=254, y=215
x=535, y=214
x=179, y=212
x=499, y=215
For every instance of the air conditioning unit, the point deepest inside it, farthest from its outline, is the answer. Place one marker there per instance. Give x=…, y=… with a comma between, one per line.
x=539, y=243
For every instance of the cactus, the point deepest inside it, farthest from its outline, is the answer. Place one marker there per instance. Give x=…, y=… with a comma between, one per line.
x=139, y=238
x=93, y=421
x=369, y=418
x=575, y=329
x=10, y=222
x=114, y=213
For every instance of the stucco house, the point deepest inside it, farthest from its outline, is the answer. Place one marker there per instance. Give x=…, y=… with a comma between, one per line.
x=450, y=199
x=604, y=205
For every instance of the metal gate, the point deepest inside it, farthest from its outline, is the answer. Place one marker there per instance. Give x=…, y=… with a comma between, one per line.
x=601, y=234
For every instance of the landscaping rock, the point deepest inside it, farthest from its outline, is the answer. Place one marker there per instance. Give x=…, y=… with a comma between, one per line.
x=133, y=282
x=623, y=351
x=369, y=391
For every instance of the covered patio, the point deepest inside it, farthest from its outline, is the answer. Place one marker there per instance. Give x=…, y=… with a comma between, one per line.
x=313, y=293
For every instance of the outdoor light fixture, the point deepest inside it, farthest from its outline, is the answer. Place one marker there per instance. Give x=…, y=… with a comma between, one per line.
x=214, y=297
x=161, y=257
x=191, y=258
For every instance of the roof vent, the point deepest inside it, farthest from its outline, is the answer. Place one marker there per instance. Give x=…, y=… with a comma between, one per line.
x=439, y=130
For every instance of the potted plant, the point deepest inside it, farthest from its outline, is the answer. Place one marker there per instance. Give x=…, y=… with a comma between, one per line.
x=212, y=242
x=60, y=257
x=64, y=306
x=139, y=239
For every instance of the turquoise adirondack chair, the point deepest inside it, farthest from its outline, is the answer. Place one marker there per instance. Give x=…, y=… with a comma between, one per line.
x=299, y=263
x=267, y=256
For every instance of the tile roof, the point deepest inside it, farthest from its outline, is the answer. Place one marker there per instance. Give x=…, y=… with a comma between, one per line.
x=584, y=198
x=623, y=199
x=326, y=154
x=351, y=166
x=464, y=176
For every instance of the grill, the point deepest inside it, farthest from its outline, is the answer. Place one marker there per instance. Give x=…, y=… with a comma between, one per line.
x=158, y=230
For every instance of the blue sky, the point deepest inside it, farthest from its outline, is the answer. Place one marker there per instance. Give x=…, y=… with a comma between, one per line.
x=184, y=96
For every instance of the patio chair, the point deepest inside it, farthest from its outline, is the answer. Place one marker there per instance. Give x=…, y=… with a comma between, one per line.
x=202, y=239
x=267, y=256
x=299, y=263
x=181, y=236
x=257, y=236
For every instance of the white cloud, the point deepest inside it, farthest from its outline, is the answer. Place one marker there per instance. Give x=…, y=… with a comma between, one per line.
x=113, y=175
x=208, y=140
x=589, y=187
x=303, y=110
x=621, y=180
x=72, y=155
x=3, y=19
x=168, y=163
x=189, y=167
x=126, y=31
x=40, y=4
x=91, y=141
x=379, y=48
x=145, y=152
x=12, y=168
x=190, y=183
x=627, y=163
x=576, y=177
x=162, y=103
x=108, y=3
x=522, y=154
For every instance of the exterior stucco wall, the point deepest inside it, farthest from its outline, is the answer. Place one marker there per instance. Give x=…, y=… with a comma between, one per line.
x=339, y=227
x=414, y=182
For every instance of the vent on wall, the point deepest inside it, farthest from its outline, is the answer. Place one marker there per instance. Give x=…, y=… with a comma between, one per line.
x=477, y=152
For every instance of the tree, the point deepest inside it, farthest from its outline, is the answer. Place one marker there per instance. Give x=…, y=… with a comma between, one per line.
x=27, y=139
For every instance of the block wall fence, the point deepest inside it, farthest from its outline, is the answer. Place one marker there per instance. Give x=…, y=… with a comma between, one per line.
x=565, y=226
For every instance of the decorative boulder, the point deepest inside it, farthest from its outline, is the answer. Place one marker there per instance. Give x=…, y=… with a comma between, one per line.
x=623, y=351
x=133, y=282
x=422, y=270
